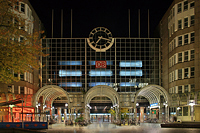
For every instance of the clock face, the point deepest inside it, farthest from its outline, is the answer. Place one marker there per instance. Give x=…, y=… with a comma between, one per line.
x=100, y=39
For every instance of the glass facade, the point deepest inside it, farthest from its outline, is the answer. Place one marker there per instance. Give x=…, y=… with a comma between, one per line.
x=131, y=63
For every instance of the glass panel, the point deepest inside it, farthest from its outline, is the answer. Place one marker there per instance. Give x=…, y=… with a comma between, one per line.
x=185, y=111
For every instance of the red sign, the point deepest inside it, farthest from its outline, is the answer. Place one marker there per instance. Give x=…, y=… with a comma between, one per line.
x=100, y=64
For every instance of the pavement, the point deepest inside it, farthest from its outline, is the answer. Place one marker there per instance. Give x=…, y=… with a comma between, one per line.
x=106, y=127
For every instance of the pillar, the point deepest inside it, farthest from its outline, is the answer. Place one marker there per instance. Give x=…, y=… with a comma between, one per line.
x=160, y=113
x=69, y=112
x=141, y=114
x=59, y=114
x=65, y=114
x=166, y=113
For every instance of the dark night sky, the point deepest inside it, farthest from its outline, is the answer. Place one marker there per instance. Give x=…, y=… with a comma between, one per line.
x=89, y=14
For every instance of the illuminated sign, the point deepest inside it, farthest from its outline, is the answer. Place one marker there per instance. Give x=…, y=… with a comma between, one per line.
x=100, y=64
x=153, y=104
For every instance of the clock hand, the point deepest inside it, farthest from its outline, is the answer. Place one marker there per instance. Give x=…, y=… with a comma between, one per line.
x=105, y=39
x=100, y=37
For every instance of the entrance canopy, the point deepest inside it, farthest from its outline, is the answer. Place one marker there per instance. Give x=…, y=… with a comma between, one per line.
x=152, y=93
x=49, y=92
x=102, y=90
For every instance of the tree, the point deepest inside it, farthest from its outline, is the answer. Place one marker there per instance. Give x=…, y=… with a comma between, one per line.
x=20, y=46
x=124, y=112
x=112, y=112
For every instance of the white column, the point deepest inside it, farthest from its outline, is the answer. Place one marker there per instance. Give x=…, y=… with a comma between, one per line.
x=59, y=114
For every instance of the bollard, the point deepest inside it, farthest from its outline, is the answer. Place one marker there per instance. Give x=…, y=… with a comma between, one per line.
x=39, y=118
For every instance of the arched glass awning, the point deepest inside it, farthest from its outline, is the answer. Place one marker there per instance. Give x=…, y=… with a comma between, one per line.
x=102, y=90
x=152, y=93
x=49, y=92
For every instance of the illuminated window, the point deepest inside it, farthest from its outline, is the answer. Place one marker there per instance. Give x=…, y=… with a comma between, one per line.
x=70, y=84
x=99, y=83
x=70, y=63
x=64, y=73
x=131, y=73
x=128, y=84
x=100, y=73
x=130, y=64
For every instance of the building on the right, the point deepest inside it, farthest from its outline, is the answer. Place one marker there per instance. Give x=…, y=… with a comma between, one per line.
x=180, y=58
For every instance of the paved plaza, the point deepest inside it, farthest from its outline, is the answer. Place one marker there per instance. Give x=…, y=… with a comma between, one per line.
x=111, y=128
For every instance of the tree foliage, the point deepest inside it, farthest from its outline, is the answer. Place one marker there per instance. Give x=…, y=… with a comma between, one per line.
x=20, y=49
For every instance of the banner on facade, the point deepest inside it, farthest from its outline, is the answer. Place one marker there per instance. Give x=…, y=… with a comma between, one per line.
x=100, y=64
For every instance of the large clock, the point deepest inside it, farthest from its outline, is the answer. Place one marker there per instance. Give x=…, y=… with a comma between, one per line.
x=100, y=39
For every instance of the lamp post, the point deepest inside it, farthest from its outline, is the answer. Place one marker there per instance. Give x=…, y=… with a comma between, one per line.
x=11, y=112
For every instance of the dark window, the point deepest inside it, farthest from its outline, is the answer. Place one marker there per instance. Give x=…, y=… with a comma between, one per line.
x=185, y=39
x=179, y=7
x=180, y=41
x=192, y=38
x=192, y=5
x=192, y=20
x=179, y=24
x=185, y=5
x=185, y=22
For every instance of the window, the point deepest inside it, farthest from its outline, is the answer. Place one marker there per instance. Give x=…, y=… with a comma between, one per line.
x=186, y=72
x=185, y=39
x=174, y=42
x=17, y=6
x=185, y=22
x=179, y=24
x=192, y=5
x=170, y=64
x=172, y=76
x=185, y=5
x=172, y=45
x=180, y=41
x=179, y=57
x=22, y=77
x=21, y=90
x=186, y=56
x=174, y=59
x=179, y=73
x=179, y=7
x=23, y=7
x=173, y=12
x=192, y=71
x=173, y=27
x=185, y=111
x=192, y=88
x=179, y=89
x=192, y=55
x=192, y=20
x=192, y=37
x=186, y=88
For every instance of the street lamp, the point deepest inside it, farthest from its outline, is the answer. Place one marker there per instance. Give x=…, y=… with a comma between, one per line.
x=11, y=106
